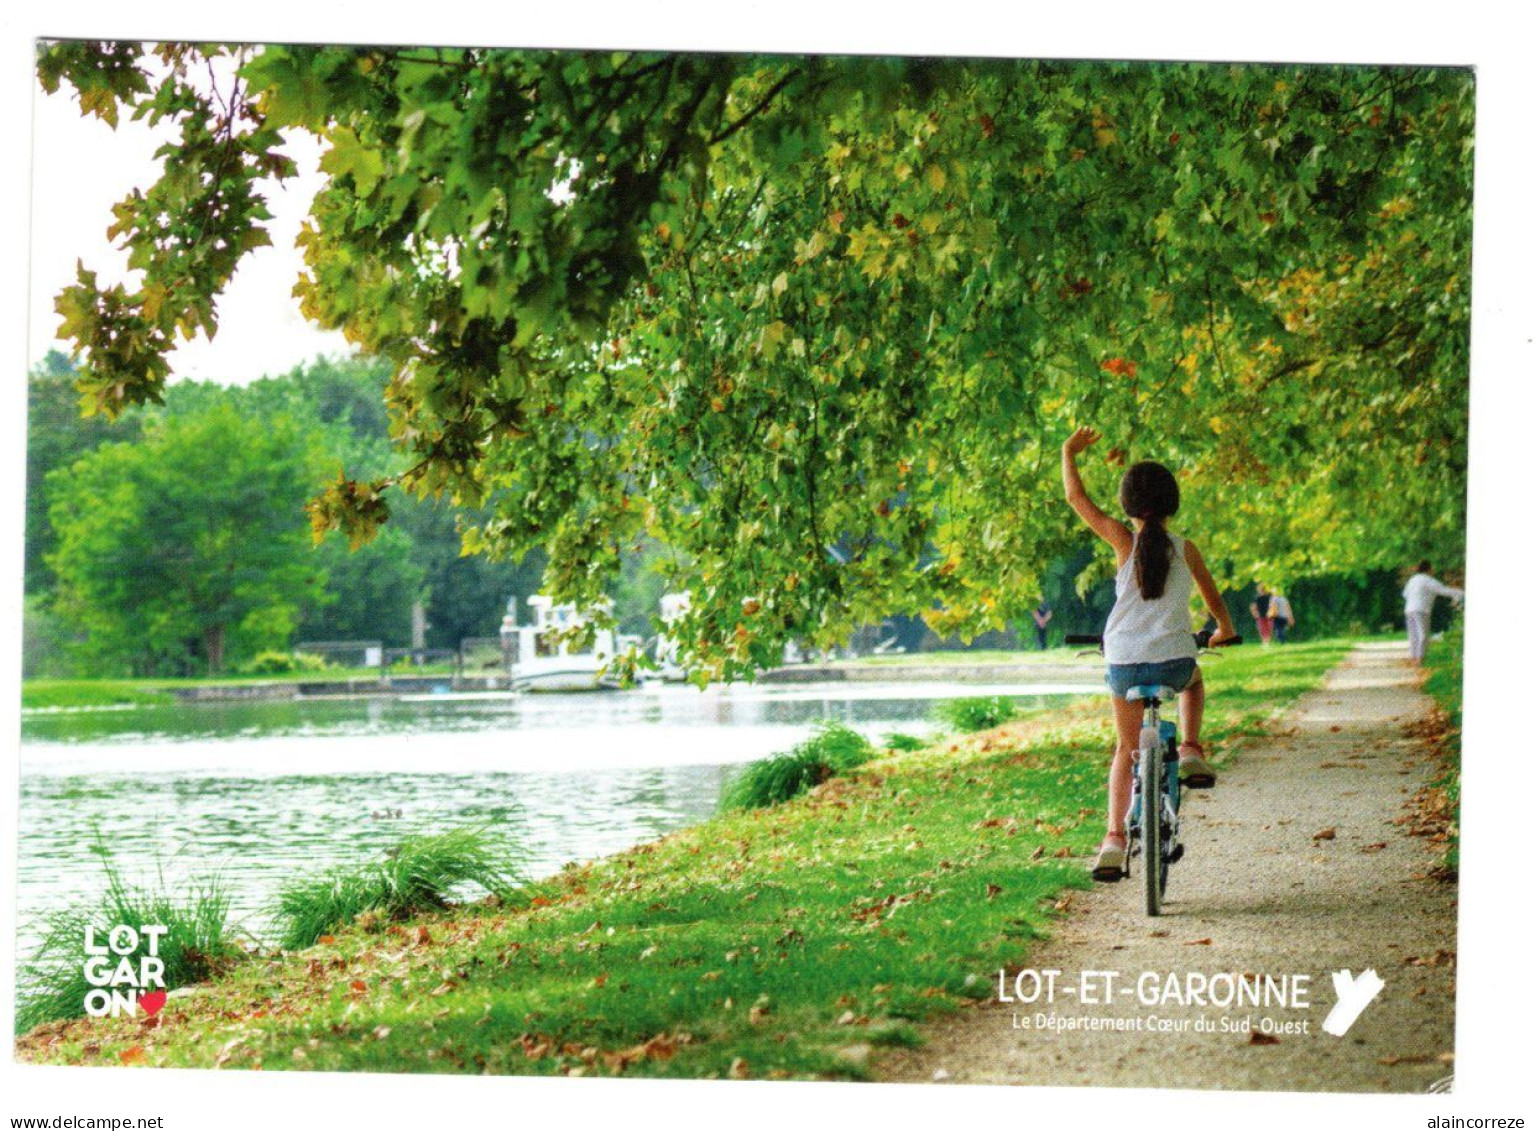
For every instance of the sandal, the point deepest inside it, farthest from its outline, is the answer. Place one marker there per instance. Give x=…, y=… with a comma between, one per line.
x=1193, y=771
x=1110, y=864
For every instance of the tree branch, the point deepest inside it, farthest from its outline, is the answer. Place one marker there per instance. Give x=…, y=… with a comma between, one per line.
x=767, y=99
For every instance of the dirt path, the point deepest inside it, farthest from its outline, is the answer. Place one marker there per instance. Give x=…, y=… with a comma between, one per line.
x=1258, y=894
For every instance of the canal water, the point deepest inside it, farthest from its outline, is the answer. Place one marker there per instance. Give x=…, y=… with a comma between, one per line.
x=258, y=792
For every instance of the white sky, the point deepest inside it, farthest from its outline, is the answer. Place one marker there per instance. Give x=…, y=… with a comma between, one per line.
x=81, y=167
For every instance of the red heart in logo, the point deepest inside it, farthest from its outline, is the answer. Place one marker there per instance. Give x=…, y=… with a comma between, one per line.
x=152, y=1003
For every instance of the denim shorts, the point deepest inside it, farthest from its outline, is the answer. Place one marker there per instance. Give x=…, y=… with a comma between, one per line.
x=1176, y=674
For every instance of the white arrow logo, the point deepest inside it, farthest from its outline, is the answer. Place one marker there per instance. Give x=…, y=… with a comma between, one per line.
x=1353, y=995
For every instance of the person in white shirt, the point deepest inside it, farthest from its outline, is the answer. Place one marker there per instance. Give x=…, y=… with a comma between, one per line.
x=1283, y=616
x=1419, y=594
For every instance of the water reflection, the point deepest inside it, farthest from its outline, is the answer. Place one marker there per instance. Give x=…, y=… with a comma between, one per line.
x=263, y=791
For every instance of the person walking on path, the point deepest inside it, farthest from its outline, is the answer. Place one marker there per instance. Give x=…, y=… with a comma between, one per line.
x=1282, y=615
x=1147, y=639
x=1418, y=594
x=1042, y=617
x=1262, y=612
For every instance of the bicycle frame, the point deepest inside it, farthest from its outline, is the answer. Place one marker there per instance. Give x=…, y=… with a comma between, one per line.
x=1154, y=838
x=1155, y=773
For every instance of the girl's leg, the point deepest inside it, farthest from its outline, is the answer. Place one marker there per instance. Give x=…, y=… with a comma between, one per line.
x=1191, y=708
x=1127, y=727
x=1193, y=770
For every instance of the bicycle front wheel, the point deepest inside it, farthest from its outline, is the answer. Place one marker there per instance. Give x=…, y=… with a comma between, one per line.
x=1153, y=866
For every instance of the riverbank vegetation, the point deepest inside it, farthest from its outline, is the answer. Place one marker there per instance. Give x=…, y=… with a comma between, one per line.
x=419, y=875
x=790, y=940
x=833, y=749
x=981, y=712
x=1437, y=809
x=200, y=940
x=74, y=694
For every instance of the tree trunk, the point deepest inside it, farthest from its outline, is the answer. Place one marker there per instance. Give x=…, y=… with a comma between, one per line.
x=213, y=646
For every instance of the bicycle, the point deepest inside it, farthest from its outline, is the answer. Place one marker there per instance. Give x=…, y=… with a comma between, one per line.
x=1156, y=837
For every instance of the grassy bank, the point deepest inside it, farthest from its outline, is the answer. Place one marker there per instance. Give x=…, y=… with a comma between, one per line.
x=73, y=694
x=778, y=942
x=1444, y=682
x=80, y=693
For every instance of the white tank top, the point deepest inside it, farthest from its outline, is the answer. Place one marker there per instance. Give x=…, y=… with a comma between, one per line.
x=1147, y=632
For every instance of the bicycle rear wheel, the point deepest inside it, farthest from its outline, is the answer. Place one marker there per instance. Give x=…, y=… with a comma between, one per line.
x=1153, y=866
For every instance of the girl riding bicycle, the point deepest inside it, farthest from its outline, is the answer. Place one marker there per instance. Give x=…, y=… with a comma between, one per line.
x=1147, y=639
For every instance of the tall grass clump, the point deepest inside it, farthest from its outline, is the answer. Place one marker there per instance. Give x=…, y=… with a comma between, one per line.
x=833, y=749
x=421, y=873
x=980, y=713
x=200, y=941
x=897, y=740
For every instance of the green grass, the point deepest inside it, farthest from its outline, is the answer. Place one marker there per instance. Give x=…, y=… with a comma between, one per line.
x=904, y=742
x=833, y=749
x=80, y=693
x=979, y=713
x=1445, y=683
x=420, y=874
x=200, y=941
x=73, y=694
x=766, y=942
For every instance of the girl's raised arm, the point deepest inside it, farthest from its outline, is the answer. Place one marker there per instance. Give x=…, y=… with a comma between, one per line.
x=1112, y=531
x=1210, y=592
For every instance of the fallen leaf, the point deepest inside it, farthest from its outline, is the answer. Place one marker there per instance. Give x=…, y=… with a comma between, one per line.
x=739, y=1069
x=1258, y=1038
x=1198, y=942
x=1326, y=834
x=134, y=1054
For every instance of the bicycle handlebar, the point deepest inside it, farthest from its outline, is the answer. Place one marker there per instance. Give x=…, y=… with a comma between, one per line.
x=1201, y=638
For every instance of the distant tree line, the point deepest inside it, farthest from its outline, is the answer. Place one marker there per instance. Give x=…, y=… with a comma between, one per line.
x=174, y=540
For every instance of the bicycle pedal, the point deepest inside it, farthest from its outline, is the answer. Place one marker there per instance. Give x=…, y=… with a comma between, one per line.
x=1176, y=854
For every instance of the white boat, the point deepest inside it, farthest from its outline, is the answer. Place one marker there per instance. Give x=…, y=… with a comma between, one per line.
x=541, y=661
x=673, y=607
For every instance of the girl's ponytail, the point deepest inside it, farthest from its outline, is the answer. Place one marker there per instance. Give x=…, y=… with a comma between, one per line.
x=1153, y=558
x=1150, y=493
